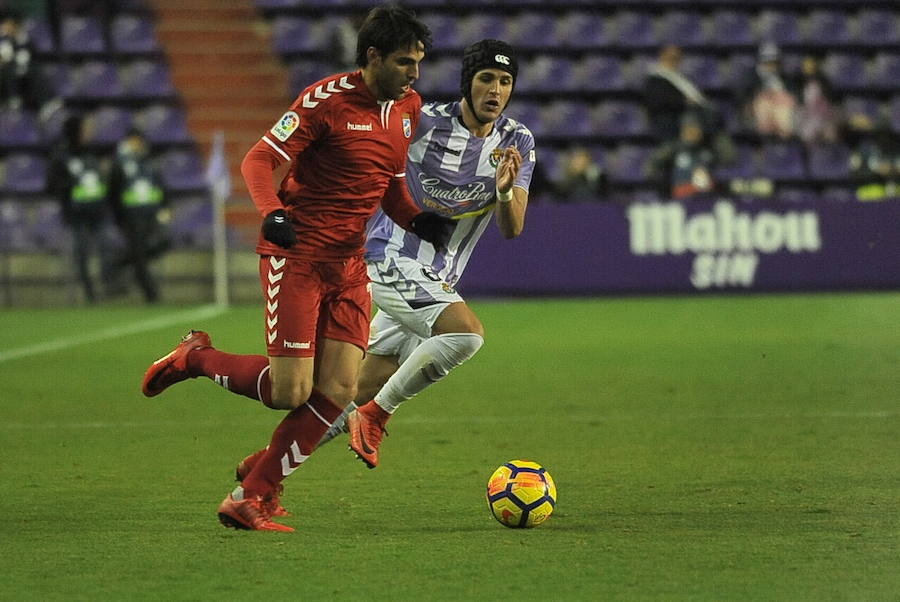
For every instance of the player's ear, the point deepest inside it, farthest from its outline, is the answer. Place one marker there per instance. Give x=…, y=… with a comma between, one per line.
x=372, y=55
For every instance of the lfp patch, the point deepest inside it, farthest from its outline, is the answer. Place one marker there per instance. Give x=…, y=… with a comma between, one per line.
x=286, y=126
x=407, y=125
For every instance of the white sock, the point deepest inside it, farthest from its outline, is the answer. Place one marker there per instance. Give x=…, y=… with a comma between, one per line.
x=429, y=363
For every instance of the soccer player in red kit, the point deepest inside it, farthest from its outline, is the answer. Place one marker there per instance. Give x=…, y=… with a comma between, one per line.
x=346, y=137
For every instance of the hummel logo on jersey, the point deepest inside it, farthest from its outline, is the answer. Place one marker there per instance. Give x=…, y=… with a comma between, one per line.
x=293, y=345
x=359, y=127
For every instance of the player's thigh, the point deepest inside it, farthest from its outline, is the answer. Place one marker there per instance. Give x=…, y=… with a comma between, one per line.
x=292, y=380
x=457, y=317
x=337, y=369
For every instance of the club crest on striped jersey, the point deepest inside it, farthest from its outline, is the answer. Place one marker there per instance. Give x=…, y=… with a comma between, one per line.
x=495, y=157
x=286, y=126
x=407, y=125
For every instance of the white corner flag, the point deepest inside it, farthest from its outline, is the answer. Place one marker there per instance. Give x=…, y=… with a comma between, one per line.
x=219, y=180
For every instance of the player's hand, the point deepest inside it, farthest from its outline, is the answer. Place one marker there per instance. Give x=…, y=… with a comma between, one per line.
x=433, y=228
x=508, y=169
x=277, y=229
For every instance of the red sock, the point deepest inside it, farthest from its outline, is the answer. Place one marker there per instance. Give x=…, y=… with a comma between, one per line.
x=292, y=443
x=246, y=375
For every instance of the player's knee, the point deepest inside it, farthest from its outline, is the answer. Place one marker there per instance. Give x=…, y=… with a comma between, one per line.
x=340, y=390
x=290, y=395
x=460, y=346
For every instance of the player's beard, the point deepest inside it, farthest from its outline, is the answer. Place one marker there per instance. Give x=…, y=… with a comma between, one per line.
x=391, y=84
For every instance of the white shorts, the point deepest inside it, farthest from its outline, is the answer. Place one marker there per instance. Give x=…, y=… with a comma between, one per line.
x=410, y=297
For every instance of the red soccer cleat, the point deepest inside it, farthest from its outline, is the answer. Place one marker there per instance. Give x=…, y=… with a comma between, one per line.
x=249, y=514
x=366, y=428
x=273, y=502
x=172, y=368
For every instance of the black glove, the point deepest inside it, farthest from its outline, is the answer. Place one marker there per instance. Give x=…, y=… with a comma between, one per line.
x=277, y=229
x=433, y=228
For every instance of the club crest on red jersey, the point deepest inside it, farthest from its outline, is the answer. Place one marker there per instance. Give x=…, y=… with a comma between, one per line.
x=286, y=126
x=407, y=125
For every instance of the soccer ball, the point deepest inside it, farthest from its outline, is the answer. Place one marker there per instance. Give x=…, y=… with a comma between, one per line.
x=521, y=494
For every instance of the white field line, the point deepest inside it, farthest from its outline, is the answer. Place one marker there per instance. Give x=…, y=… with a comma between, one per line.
x=113, y=332
x=143, y=425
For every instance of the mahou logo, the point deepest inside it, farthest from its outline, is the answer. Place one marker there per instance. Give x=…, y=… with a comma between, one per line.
x=727, y=243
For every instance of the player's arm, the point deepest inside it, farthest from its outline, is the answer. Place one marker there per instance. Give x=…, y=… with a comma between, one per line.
x=512, y=200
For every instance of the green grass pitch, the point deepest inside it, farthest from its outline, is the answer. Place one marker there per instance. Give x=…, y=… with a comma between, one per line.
x=705, y=448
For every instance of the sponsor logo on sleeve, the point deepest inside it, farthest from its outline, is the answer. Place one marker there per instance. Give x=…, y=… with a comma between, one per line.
x=286, y=126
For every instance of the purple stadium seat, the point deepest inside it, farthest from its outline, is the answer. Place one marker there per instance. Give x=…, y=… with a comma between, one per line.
x=25, y=174
x=601, y=73
x=783, y=28
x=529, y=114
x=133, y=34
x=744, y=165
x=884, y=73
x=162, y=124
x=566, y=119
x=704, y=71
x=635, y=29
x=619, y=119
x=482, y=26
x=147, y=79
x=878, y=27
x=183, y=171
x=861, y=105
x=578, y=29
x=95, y=80
x=547, y=74
x=682, y=28
x=18, y=129
x=81, y=35
x=191, y=224
x=847, y=72
x=829, y=162
x=627, y=164
x=782, y=161
x=440, y=79
x=110, y=125
x=828, y=28
x=838, y=194
x=41, y=36
x=736, y=67
x=304, y=72
x=731, y=28
x=267, y=6
x=13, y=221
x=635, y=71
x=293, y=35
x=894, y=114
x=534, y=30
x=445, y=28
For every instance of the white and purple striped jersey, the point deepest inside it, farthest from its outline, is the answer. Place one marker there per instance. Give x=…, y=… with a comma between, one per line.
x=451, y=172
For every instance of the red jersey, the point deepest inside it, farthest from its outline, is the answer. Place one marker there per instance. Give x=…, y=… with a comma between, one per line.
x=349, y=154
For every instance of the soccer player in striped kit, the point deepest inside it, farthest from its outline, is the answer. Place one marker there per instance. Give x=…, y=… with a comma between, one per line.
x=468, y=161
x=346, y=137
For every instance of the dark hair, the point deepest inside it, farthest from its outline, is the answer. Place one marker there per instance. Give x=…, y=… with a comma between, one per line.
x=387, y=28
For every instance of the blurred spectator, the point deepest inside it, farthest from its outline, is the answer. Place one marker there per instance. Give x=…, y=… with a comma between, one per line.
x=683, y=168
x=766, y=98
x=817, y=120
x=80, y=182
x=17, y=80
x=668, y=94
x=581, y=178
x=875, y=160
x=138, y=202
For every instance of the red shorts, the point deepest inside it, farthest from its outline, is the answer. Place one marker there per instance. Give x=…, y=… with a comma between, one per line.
x=309, y=300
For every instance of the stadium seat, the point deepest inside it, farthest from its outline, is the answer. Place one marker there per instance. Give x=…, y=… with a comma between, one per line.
x=440, y=79
x=704, y=71
x=861, y=105
x=893, y=114
x=877, y=27
x=25, y=173
x=846, y=72
x=81, y=35
x=566, y=119
x=304, y=72
x=183, y=172
x=110, y=125
x=686, y=29
x=782, y=161
x=829, y=162
x=19, y=129
x=529, y=114
x=163, y=125
x=297, y=35
x=828, y=28
x=133, y=34
x=147, y=79
x=884, y=72
x=13, y=221
x=41, y=36
x=94, y=81
x=444, y=27
x=635, y=30
x=482, y=26
x=191, y=224
x=601, y=73
x=635, y=72
x=532, y=30
x=619, y=119
x=584, y=30
x=731, y=29
x=627, y=164
x=780, y=27
x=545, y=74
x=797, y=194
x=743, y=167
